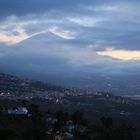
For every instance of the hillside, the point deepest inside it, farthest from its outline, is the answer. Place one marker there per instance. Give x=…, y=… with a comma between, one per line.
x=48, y=96
x=16, y=86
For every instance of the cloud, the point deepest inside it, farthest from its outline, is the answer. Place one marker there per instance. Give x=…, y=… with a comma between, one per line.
x=15, y=29
x=70, y=38
x=85, y=21
x=107, y=8
x=120, y=54
x=16, y=36
x=67, y=29
x=101, y=8
x=65, y=34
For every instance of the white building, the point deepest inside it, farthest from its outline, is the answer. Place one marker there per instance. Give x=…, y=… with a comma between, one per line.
x=18, y=111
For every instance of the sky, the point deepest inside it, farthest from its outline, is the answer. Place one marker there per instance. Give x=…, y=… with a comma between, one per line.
x=64, y=38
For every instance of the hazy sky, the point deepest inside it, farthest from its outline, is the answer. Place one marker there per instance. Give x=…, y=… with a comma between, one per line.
x=57, y=36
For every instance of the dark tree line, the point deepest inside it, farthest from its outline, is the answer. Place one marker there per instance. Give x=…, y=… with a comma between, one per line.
x=34, y=128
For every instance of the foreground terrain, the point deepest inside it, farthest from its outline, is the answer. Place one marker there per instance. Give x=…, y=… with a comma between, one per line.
x=54, y=109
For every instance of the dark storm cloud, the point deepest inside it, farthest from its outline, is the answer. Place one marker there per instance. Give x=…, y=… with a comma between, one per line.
x=69, y=41
x=23, y=7
x=63, y=36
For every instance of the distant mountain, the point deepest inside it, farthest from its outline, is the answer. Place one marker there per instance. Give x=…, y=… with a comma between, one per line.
x=44, y=37
x=48, y=62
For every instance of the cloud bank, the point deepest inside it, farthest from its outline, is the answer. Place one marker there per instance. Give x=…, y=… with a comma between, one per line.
x=64, y=37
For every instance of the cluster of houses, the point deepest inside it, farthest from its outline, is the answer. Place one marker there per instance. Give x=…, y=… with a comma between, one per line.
x=68, y=131
x=15, y=111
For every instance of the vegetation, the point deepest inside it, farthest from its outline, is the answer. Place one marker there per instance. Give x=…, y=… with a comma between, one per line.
x=36, y=127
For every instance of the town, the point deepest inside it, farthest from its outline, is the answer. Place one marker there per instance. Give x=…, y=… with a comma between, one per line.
x=34, y=124
x=62, y=113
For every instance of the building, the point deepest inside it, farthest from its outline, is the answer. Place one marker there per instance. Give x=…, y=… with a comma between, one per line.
x=18, y=111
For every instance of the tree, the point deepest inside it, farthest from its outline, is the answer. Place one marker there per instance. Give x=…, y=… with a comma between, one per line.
x=125, y=131
x=107, y=122
x=10, y=134
x=36, y=113
x=77, y=117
